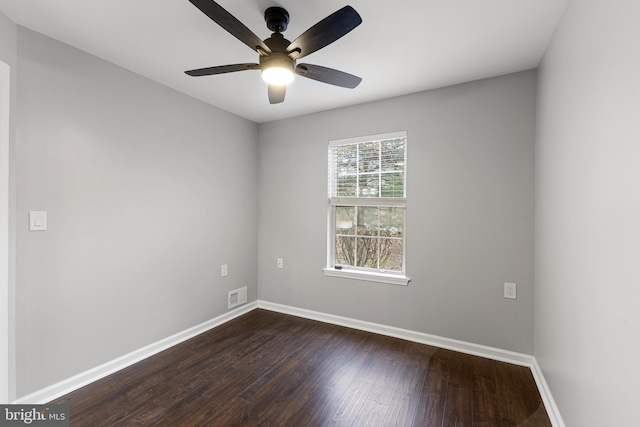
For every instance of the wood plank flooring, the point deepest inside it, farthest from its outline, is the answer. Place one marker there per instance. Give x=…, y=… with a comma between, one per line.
x=271, y=369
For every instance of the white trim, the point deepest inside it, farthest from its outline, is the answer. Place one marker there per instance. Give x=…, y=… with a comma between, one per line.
x=493, y=353
x=520, y=359
x=397, y=202
x=5, y=105
x=63, y=387
x=547, y=398
x=369, y=276
x=376, y=137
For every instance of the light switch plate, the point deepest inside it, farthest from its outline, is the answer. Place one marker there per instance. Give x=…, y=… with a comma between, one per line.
x=37, y=220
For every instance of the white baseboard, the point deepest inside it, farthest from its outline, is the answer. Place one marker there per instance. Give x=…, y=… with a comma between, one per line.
x=520, y=359
x=61, y=388
x=545, y=393
x=67, y=386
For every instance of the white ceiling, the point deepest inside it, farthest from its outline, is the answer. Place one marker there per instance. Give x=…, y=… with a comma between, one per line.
x=401, y=47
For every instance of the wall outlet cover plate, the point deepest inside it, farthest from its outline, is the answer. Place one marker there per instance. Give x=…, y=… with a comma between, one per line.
x=510, y=290
x=37, y=220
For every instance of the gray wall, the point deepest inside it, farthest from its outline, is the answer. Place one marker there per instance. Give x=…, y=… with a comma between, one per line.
x=469, y=212
x=8, y=55
x=587, y=299
x=8, y=31
x=148, y=192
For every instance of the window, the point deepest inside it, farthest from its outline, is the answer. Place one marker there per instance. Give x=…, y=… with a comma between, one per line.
x=367, y=200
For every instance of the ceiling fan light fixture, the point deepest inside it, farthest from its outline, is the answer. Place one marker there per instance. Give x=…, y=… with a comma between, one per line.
x=277, y=76
x=277, y=72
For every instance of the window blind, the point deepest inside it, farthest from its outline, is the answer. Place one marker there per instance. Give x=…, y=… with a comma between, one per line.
x=363, y=168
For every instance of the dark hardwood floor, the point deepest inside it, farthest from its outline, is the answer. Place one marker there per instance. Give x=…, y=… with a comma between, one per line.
x=271, y=369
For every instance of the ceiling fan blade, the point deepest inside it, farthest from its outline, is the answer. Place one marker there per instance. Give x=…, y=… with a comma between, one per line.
x=230, y=23
x=328, y=75
x=325, y=32
x=221, y=69
x=276, y=94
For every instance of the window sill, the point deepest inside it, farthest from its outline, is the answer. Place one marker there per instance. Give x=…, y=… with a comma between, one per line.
x=391, y=279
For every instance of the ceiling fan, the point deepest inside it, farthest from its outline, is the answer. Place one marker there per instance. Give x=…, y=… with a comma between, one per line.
x=277, y=55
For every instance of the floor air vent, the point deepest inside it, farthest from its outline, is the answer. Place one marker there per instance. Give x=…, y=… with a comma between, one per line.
x=237, y=297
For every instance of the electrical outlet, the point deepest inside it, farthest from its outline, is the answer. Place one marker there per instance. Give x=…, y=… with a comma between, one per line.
x=510, y=290
x=224, y=270
x=280, y=263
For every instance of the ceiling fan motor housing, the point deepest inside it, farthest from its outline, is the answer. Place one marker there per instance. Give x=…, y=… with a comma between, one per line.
x=277, y=60
x=279, y=57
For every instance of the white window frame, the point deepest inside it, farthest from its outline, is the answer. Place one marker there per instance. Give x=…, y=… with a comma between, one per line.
x=360, y=273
